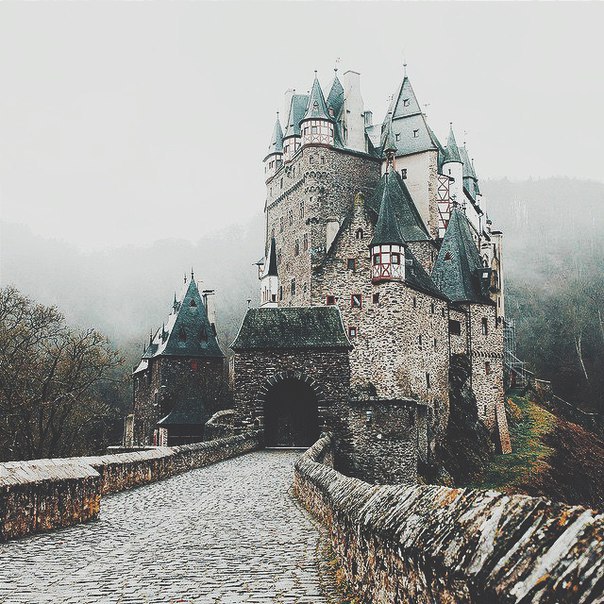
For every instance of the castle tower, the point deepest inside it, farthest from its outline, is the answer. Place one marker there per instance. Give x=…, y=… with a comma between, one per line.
x=453, y=168
x=317, y=125
x=269, y=279
x=292, y=137
x=180, y=381
x=274, y=158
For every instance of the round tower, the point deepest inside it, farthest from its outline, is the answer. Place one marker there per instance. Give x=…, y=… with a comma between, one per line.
x=317, y=125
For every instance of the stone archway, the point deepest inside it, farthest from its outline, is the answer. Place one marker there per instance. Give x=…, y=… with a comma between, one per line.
x=290, y=406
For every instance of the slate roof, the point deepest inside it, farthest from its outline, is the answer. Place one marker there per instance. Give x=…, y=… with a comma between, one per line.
x=335, y=98
x=297, y=109
x=417, y=277
x=408, y=123
x=187, y=332
x=387, y=228
x=458, y=266
x=393, y=188
x=452, y=150
x=316, y=108
x=276, y=144
x=185, y=412
x=298, y=328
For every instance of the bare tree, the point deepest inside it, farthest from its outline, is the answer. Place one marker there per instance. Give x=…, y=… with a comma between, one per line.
x=49, y=379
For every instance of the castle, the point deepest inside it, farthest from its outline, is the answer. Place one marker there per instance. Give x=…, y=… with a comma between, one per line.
x=379, y=265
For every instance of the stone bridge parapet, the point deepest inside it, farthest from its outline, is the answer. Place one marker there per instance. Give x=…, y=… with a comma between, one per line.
x=420, y=543
x=45, y=494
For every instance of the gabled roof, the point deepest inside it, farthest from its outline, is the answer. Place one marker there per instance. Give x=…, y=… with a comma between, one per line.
x=408, y=123
x=276, y=144
x=297, y=107
x=458, y=266
x=188, y=331
x=299, y=328
x=316, y=108
x=452, y=150
x=393, y=188
x=335, y=98
x=387, y=228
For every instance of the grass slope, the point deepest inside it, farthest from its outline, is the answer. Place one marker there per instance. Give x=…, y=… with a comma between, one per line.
x=551, y=457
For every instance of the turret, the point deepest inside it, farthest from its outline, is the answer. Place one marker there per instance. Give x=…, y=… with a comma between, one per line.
x=291, y=136
x=453, y=168
x=274, y=158
x=388, y=245
x=269, y=279
x=317, y=126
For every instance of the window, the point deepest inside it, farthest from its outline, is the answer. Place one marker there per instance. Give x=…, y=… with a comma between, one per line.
x=352, y=332
x=302, y=209
x=281, y=183
x=485, y=326
x=331, y=300
x=313, y=129
x=404, y=173
x=359, y=234
x=414, y=302
x=194, y=364
x=443, y=311
x=432, y=308
x=487, y=367
x=286, y=149
x=356, y=301
x=419, y=341
x=351, y=264
x=281, y=292
x=428, y=381
x=293, y=287
x=305, y=131
x=377, y=258
x=297, y=248
x=434, y=343
x=406, y=102
x=454, y=327
x=397, y=137
x=376, y=298
x=305, y=241
x=322, y=160
x=192, y=303
x=311, y=159
x=279, y=257
x=415, y=133
x=396, y=258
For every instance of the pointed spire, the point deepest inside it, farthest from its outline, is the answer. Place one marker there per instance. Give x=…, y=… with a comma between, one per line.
x=192, y=274
x=387, y=228
x=452, y=150
x=316, y=108
x=271, y=269
x=389, y=148
x=297, y=107
x=276, y=144
x=335, y=98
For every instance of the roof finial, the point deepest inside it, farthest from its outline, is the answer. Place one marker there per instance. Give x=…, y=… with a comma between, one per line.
x=185, y=277
x=192, y=274
x=405, y=68
x=338, y=60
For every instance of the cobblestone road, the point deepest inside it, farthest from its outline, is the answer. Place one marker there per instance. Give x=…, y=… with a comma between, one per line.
x=227, y=533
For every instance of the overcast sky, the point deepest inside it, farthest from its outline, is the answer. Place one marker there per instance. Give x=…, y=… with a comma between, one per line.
x=130, y=122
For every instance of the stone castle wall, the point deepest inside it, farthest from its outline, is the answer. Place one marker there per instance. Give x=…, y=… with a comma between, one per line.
x=169, y=380
x=46, y=494
x=307, y=200
x=424, y=544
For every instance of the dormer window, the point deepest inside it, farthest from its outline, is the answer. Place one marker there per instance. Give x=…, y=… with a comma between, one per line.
x=415, y=133
x=192, y=303
x=448, y=256
x=406, y=102
x=397, y=137
x=404, y=173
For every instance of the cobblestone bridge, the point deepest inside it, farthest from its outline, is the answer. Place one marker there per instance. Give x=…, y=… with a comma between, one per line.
x=229, y=532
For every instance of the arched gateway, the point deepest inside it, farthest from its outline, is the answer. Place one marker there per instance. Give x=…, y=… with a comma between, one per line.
x=291, y=372
x=290, y=407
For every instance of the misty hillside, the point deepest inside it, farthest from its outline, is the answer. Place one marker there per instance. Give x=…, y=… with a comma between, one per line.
x=125, y=292
x=553, y=258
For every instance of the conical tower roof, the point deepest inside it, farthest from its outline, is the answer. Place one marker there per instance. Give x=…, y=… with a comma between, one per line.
x=317, y=107
x=271, y=266
x=410, y=224
x=335, y=98
x=188, y=331
x=276, y=144
x=387, y=228
x=452, y=150
x=297, y=107
x=458, y=266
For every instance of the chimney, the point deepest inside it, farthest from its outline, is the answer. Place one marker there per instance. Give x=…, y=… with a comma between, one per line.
x=208, y=302
x=354, y=115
